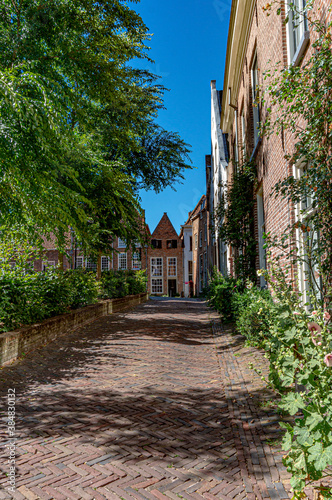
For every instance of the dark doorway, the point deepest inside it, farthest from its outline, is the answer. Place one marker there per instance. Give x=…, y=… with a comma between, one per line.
x=171, y=288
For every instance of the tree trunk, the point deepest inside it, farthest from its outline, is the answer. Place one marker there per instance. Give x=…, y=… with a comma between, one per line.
x=99, y=266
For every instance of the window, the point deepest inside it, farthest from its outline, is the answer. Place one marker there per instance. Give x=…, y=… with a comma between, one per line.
x=121, y=243
x=136, y=261
x=298, y=35
x=205, y=232
x=156, y=244
x=200, y=238
x=190, y=243
x=171, y=244
x=243, y=127
x=78, y=262
x=236, y=141
x=156, y=285
x=205, y=270
x=171, y=267
x=105, y=263
x=91, y=264
x=156, y=266
x=261, y=231
x=201, y=272
x=254, y=81
x=196, y=241
x=190, y=270
x=47, y=264
x=122, y=260
x=307, y=244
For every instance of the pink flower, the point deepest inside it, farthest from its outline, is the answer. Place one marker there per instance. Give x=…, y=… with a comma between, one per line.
x=327, y=316
x=315, y=331
x=314, y=313
x=328, y=359
x=296, y=313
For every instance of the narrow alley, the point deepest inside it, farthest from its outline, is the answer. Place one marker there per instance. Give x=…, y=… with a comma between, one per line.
x=157, y=402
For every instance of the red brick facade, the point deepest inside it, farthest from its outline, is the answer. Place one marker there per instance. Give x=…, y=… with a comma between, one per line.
x=201, y=244
x=165, y=261
x=260, y=41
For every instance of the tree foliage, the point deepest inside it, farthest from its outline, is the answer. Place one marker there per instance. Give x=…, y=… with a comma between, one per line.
x=68, y=98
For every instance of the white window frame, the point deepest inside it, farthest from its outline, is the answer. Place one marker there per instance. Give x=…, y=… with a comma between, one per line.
x=169, y=259
x=160, y=285
x=90, y=265
x=136, y=263
x=190, y=270
x=243, y=133
x=121, y=243
x=255, y=107
x=104, y=258
x=120, y=256
x=303, y=214
x=297, y=26
x=236, y=149
x=156, y=266
x=261, y=231
x=81, y=260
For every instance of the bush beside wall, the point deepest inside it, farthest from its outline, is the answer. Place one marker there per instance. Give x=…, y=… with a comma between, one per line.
x=29, y=298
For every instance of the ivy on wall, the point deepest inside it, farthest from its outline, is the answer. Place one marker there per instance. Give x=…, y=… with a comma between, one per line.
x=235, y=219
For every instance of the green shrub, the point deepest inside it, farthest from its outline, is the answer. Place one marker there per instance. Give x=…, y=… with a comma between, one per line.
x=116, y=284
x=255, y=314
x=220, y=292
x=29, y=298
x=84, y=289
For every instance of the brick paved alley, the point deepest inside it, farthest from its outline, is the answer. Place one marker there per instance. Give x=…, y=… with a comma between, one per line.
x=148, y=404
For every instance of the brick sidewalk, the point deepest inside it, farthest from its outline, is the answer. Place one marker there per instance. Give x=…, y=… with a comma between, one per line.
x=143, y=405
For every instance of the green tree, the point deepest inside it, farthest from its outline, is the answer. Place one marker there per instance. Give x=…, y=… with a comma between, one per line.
x=68, y=98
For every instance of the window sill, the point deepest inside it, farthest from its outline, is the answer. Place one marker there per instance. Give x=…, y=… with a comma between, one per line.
x=301, y=49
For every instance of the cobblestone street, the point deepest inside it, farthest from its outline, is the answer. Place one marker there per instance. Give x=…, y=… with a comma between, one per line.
x=154, y=403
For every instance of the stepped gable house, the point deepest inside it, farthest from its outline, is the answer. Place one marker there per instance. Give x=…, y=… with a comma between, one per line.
x=165, y=266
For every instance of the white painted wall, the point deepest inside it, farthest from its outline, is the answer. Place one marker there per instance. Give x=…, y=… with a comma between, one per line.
x=218, y=169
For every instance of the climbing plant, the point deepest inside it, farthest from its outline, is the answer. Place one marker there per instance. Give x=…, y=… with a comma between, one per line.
x=297, y=103
x=234, y=218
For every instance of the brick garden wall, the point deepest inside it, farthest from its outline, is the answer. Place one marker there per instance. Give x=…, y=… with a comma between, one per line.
x=17, y=343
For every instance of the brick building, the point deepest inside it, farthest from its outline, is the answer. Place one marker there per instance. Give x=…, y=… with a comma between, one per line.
x=202, y=262
x=186, y=237
x=250, y=52
x=216, y=178
x=165, y=260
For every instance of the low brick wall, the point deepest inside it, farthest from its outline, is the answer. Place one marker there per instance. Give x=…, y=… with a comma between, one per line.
x=14, y=344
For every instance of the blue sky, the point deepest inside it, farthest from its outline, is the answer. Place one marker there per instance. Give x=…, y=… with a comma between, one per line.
x=189, y=47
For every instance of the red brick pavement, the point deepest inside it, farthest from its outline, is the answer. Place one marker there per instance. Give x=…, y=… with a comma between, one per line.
x=147, y=404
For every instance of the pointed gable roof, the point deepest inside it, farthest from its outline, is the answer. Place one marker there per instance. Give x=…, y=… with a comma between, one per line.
x=165, y=229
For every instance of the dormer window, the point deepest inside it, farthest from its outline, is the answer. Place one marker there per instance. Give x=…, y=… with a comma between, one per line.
x=156, y=243
x=171, y=243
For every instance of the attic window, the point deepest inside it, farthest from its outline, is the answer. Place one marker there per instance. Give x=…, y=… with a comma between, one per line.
x=171, y=244
x=156, y=244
